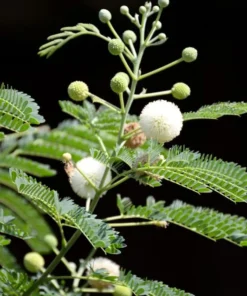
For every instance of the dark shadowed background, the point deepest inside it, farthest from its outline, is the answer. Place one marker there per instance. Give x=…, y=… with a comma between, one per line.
x=218, y=30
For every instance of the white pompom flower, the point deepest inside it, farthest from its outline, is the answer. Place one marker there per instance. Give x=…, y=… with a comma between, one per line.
x=85, y=170
x=101, y=263
x=161, y=121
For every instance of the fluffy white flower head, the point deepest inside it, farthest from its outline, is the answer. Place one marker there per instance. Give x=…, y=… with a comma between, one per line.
x=94, y=171
x=161, y=120
x=109, y=266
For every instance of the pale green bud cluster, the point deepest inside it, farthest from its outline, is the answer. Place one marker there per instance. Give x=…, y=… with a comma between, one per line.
x=180, y=91
x=163, y=3
x=129, y=35
x=157, y=25
x=155, y=8
x=116, y=46
x=122, y=291
x=51, y=241
x=142, y=9
x=119, y=82
x=162, y=36
x=124, y=10
x=189, y=54
x=33, y=262
x=105, y=15
x=78, y=91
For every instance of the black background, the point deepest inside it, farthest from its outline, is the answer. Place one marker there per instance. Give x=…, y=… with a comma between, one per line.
x=218, y=30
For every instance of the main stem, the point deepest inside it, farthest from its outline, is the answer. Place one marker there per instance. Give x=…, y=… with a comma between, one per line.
x=95, y=201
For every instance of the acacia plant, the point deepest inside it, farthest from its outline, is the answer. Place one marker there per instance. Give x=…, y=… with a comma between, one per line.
x=102, y=148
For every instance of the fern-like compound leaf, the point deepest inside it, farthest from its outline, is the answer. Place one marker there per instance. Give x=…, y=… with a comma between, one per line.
x=18, y=111
x=67, y=33
x=99, y=234
x=217, y=110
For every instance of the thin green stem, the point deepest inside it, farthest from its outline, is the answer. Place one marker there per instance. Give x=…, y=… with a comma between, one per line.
x=117, y=36
x=131, y=224
x=132, y=75
x=112, y=185
x=64, y=261
x=96, y=99
x=150, y=35
x=88, y=180
x=56, y=285
x=82, y=268
x=161, y=69
x=54, y=263
x=102, y=145
x=154, y=94
x=121, y=99
x=132, y=48
x=92, y=290
x=120, y=217
x=88, y=202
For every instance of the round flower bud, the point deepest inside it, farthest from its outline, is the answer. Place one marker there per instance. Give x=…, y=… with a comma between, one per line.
x=189, y=54
x=78, y=91
x=124, y=9
x=180, y=91
x=115, y=46
x=157, y=25
x=109, y=266
x=104, y=15
x=162, y=36
x=119, y=83
x=122, y=291
x=125, y=75
x=93, y=170
x=137, y=139
x=142, y=9
x=33, y=262
x=163, y=3
x=129, y=35
x=156, y=8
x=67, y=157
x=51, y=240
x=161, y=121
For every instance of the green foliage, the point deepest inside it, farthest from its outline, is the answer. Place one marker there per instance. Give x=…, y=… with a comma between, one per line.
x=217, y=110
x=18, y=111
x=200, y=173
x=206, y=222
x=7, y=259
x=13, y=283
x=7, y=227
x=99, y=234
x=26, y=215
x=27, y=165
x=67, y=34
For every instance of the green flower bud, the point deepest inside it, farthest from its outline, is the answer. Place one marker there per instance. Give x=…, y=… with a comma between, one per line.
x=142, y=9
x=119, y=83
x=189, y=54
x=122, y=291
x=163, y=3
x=78, y=91
x=158, y=25
x=162, y=36
x=124, y=9
x=125, y=75
x=156, y=8
x=180, y=91
x=104, y=15
x=33, y=262
x=51, y=240
x=115, y=46
x=129, y=35
x=148, y=5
